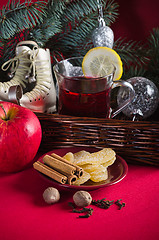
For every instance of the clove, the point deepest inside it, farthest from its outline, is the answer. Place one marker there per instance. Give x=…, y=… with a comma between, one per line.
x=105, y=204
x=118, y=203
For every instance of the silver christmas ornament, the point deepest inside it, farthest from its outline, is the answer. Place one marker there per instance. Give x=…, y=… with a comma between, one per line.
x=145, y=101
x=102, y=36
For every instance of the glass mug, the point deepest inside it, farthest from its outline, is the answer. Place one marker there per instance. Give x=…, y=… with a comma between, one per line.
x=86, y=96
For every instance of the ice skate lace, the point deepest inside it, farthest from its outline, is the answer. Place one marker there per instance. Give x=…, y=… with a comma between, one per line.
x=20, y=65
x=40, y=69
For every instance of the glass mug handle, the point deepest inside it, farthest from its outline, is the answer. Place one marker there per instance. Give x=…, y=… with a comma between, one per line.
x=113, y=113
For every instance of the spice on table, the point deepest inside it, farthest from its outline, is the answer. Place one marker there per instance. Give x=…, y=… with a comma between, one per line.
x=118, y=203
x=72, y=205
x=88, y=211
x=82, y=198
x=105, y=204
x=51, y=195
x=102, y=203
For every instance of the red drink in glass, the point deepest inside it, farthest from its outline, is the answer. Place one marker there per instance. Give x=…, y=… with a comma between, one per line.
x=86, y=96
x=84, y=104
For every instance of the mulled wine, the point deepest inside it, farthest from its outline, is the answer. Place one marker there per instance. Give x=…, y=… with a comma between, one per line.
x=85, y=96
x=84, y=104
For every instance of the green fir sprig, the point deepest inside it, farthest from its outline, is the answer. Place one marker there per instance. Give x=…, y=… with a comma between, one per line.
x=63, y=26
x=152, y=52
x=66, y=27
x=17, y=16
x=16, y=19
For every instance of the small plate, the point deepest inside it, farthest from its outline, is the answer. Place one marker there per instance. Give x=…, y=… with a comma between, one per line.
x=116, y=172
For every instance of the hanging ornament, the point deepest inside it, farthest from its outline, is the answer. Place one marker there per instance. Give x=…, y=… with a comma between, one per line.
x=103, y=36
x=145, y=101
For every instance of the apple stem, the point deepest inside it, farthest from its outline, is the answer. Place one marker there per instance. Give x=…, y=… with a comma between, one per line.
x=1, y=105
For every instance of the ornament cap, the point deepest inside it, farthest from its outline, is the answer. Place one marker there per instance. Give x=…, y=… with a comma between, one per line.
x=101, y=22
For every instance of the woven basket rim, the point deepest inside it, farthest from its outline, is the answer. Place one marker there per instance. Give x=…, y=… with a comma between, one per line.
x=113, y=120
x=136, y=141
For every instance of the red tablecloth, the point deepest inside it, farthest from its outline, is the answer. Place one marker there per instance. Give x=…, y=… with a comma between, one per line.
x=25, y=215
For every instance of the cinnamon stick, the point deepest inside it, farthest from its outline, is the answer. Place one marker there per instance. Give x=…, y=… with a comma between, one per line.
x=71, y=179
x=59, y=165
x=79, y=170
x=50, y=172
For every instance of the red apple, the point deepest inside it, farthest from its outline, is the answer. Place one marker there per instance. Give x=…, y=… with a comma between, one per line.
x=20, y=137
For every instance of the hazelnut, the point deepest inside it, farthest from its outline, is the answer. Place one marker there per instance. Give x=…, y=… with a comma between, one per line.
x=82, y=198
x=51, y=195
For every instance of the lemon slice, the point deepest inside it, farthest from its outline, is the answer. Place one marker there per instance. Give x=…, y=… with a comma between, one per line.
x=99, y=61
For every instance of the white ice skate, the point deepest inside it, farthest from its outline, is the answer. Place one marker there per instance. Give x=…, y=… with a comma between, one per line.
x=32, y=67
x=20, y=66
x=42, y=98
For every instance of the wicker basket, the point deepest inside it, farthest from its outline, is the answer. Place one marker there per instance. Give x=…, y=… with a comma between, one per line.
x=136, y=142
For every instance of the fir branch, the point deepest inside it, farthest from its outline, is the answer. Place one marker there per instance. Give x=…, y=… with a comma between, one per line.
x=78, y=9
x=75, y=36
x=151, y=50
x=110, y=9
x=133, y=71
x=70, y=21
x=140, y=59
x=16, y=16
x=79, y=20
x=82, y=8
x=131, y=52
x=153, y=39
x=51, y=24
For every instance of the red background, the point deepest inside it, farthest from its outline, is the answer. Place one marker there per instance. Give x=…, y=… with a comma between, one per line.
x=136, y=18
